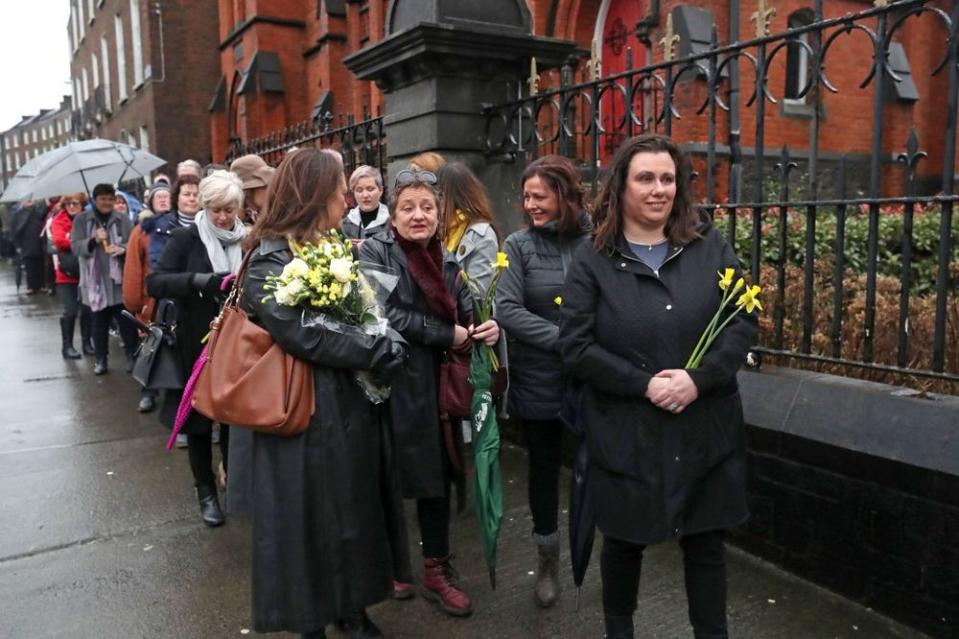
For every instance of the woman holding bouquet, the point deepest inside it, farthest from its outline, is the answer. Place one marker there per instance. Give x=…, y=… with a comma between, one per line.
x=328, y=532
x=190, y=271
x=431, y=308
x=667, y=454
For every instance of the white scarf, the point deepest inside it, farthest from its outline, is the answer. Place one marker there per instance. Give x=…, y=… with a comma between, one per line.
x=222, y=246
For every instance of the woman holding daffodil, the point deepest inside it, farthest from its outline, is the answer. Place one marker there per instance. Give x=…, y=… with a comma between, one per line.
x=658, y=363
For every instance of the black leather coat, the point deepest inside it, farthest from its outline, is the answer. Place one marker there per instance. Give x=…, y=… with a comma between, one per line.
x=414, y=399
x=655, y=475
x=328, y=530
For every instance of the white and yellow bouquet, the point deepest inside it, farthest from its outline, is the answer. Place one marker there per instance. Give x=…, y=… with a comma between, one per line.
x=336, y=292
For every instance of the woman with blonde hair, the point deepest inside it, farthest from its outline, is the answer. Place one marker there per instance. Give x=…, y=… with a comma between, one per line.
x=328, y=531
x=370, y=216
x=191, y=271
x=428, y=161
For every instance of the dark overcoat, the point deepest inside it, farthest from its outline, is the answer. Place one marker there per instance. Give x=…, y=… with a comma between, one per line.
x=655, y=475
x=328, y=530
x=414, y=400
x=183, y=256
x=526, y=308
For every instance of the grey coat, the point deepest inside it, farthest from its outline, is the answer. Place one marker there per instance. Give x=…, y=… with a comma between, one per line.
x=328, y=530
x=476, y=252
x=414, y=400
x=86, y=248
x=526, y=308
x=350, y=225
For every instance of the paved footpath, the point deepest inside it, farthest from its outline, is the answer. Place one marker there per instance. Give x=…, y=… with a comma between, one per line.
x=100, y=535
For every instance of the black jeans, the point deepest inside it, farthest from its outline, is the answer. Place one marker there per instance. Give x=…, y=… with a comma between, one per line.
x=544, y=445
x=33, y=265
x=433, y=516
x=200, y=450
x=101, y=321
x=705, y=571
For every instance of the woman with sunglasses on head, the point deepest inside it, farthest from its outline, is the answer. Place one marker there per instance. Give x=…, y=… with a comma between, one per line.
x=528, y=302
x=68, y=277
x=431, y=308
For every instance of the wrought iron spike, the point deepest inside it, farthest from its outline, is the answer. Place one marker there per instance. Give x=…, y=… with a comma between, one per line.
x=533, y=80
x=762, y=17
x=785, y=164
x=913, y=155
x=670, y=40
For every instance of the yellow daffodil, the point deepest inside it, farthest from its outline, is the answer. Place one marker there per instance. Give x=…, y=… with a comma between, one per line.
x=739, y=284
x=749, y=299
x=501, y=261
x=558, y=300
x=726, y=278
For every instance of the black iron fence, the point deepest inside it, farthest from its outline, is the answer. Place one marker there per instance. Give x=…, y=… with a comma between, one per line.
x=359, y=143
x=866, y=279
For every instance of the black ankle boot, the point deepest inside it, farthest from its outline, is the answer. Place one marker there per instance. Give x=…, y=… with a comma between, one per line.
x=66, y=338
x=359, y=625
x=100, y=368
x=209, y=506
x=619, y=626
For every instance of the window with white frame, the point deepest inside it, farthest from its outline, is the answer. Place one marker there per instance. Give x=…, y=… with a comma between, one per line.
x=121, y=59
x=797, y=59
x=105, y=55
x=95, y=65
x=34, y=136
x=136, y=43
x=85, y=84
x=81, y=19
x=144, y=138
x=74, y=33
x=91, y=12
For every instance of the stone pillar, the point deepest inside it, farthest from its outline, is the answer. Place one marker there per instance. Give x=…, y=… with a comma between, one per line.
x=441, y=62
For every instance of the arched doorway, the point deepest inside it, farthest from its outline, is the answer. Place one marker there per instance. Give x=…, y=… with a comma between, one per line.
x=615, y=35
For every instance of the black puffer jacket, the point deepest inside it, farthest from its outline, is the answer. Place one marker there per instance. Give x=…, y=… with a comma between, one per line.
x=526, y=308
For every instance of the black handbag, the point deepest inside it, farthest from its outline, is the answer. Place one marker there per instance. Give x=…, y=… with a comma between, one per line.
x=69, y=263
x=157, y=364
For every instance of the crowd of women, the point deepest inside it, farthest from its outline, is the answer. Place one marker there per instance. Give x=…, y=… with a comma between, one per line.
x=595, y=317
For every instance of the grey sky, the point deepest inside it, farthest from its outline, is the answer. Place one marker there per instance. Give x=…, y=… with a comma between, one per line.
x=34, y=57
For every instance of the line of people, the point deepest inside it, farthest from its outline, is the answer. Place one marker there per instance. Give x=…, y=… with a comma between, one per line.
x=595, y=317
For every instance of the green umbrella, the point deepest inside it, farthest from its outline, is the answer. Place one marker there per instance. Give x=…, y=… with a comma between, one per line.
x=489, y=485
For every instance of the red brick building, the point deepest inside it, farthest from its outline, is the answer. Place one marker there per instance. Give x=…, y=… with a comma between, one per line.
x=33, y=135
x=142, y=72
x=281, y=64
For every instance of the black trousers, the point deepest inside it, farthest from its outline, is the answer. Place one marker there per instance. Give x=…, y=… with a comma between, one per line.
x=433, y=516
x=200, y=450
x=101, y=321
x=544, y=446
x=33, y=265
x=704, y=566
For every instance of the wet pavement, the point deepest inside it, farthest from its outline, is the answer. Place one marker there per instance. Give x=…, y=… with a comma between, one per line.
x=100, y=535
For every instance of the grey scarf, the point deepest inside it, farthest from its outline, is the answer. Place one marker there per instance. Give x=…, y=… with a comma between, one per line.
x=222, y=246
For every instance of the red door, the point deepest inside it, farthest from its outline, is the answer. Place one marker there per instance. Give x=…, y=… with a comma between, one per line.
x=619, y=35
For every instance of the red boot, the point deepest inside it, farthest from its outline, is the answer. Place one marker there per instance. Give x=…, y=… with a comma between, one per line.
x=439, y=586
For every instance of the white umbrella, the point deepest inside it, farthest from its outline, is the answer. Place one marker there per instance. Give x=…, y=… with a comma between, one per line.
x=79, y=166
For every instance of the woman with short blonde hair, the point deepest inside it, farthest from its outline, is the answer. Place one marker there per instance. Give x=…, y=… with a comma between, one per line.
x=370, y=216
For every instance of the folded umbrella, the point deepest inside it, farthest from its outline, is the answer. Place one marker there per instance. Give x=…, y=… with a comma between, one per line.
x=79, y=166
x=489, y=483
x=582, y=516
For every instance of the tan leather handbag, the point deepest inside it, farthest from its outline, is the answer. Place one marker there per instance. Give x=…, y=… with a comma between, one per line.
x=248, y=380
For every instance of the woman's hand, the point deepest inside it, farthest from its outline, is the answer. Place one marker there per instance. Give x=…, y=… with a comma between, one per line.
x=674, y=392
x=487, y=332
x=460, y=335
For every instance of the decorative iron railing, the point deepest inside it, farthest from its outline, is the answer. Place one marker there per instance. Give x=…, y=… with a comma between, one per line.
x=360, y=142
x=829, y=262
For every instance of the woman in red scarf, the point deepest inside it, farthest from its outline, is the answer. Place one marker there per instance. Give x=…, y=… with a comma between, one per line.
x=431, y=308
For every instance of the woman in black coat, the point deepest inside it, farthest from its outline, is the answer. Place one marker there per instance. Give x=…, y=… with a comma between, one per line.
x=526, y=306
x=431, y=309
x=328, y=530
x=191, y=270
x=666, y=445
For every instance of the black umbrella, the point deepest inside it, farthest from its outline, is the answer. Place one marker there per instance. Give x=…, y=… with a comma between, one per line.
x=17, y=269
x=582, y=517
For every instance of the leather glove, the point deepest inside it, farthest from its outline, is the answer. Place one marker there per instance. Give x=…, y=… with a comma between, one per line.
x=399, y=352
x=207, y=283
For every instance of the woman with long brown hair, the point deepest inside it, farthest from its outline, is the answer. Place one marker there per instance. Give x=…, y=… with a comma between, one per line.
x=666, y=444
x=466, y=221
x=328, y=533
x=527, y=304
